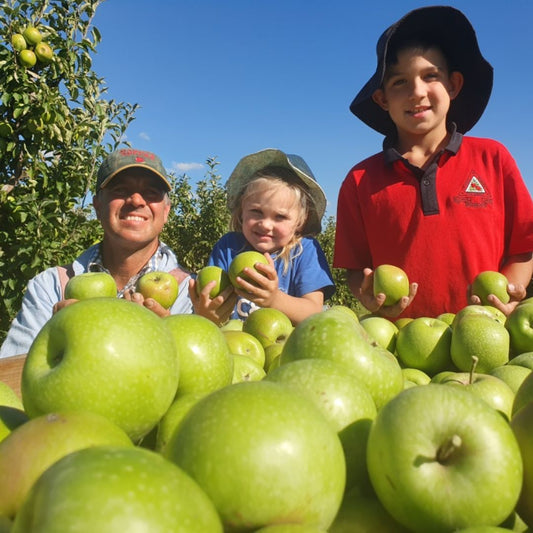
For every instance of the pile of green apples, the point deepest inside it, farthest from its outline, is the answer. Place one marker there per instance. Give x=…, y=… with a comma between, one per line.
x=30, y=48
x=127, y=420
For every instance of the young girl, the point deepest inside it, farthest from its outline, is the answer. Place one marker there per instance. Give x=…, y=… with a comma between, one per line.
x=277, y=207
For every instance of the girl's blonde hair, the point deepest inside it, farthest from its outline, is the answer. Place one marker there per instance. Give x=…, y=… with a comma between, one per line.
x=269, y=179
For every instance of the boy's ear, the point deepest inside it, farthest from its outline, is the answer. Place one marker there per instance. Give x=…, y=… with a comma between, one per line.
x=456, y=83
x=379, y=98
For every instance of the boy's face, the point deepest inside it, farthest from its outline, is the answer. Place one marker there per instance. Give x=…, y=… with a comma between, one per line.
x=417, y=92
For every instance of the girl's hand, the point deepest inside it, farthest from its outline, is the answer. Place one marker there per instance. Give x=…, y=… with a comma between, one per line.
x=517, y=293
x=375, y=303
x=217, y=309
x=149, y=303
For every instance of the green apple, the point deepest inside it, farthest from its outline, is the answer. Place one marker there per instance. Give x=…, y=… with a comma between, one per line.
x=416, y=376
x=205, y=362
x=490, y=282
x=27, y=58
x=173, y=418
x=105, y=355
x=90, y=285
x=447, y=317
x=345, y=309
x=233, y=324
x=272, y=352
x=163, y=287
x=32, y=35
x=489, y=388
x=382, y=330
x=513, y=375
x=12, y=412
x=520, y=326
x=522, y=426
x=335, y=336
x=241, y=261
x=392, y=281
x=212, y=273
x=524, y=394
x=107, y=489
x=291, y=528
x=268, y=325
x=18, y=42
x=44, y=53
x=441, y=459
x=424, y=343
x=402, y=321
x=264, y=454
x=486, y=310
x=242, y=343
x=246, y=369
x=32, y=447
x=482, y=337
x=524, y=359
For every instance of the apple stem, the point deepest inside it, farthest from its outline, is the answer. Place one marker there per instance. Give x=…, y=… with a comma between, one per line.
x=475, y=360
x=446, y=451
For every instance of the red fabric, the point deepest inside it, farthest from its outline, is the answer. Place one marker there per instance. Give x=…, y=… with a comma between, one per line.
x=380, y=220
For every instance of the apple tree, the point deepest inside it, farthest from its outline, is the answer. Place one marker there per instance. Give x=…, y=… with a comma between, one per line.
x=55, y=127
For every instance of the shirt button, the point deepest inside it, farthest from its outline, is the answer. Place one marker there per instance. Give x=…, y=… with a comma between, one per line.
x=426, y=182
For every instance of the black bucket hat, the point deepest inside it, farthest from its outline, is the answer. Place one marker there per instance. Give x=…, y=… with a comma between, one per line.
x=448, y=28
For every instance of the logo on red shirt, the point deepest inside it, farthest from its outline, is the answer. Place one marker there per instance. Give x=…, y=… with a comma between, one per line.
x=474, y=193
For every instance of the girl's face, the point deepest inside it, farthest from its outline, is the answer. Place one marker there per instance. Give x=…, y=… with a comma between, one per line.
x=270, y=218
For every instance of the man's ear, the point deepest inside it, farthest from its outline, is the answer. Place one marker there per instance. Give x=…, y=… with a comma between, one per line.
x=456, y=83
x=379, y=97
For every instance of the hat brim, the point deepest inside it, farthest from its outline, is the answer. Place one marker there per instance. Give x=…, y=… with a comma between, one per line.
x=147, y=169
x=270, y=157
x=449, y=28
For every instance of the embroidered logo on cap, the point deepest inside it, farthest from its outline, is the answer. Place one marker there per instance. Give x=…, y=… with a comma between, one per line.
x=474, y=193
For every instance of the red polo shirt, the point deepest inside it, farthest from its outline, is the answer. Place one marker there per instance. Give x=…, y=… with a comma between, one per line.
x=466, y=213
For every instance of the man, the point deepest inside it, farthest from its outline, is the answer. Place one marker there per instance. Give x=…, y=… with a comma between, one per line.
x=132, y=205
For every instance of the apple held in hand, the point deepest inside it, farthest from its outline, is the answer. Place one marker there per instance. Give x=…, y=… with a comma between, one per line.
x=480, y=336
x=109, y=489
x=212, y=273
x=90, y=285
x=264, y=454
x=241, y=261
x=205, y=361
x=424, y=343
x=31, y=448
x=490, y=282
x=163, y=287
x=105, y=355
x=392, y=281
x=454, y=461
x=268, y=326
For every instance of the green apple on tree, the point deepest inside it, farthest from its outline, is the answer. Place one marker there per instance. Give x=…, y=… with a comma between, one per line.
x=18, y=42
x=264, y=454
x=268, y=325
x=205, y=361
x=246, y=369
x=32, y=35
x=424, y=343
x=382, y=330
x=106, y=489
x=441, y=459
x=90, y=285
x=333, y=335
x=209, y=274
x=519, y=324
x=243, y=343
x=163, y=287
x=27, y=58
x=105, y=355
x=43, y=53
x=242, y=261
x=391, y=281
x=490, y=282
x=478, y=335
x=32, y=447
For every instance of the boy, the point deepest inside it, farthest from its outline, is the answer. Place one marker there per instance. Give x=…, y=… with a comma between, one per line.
x=441, y=206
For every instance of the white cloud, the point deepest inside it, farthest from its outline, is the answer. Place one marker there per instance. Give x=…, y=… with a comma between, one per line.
x=144, y=136
x=185, y=167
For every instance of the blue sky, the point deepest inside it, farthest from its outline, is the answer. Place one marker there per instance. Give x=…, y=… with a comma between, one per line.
x=225, y=78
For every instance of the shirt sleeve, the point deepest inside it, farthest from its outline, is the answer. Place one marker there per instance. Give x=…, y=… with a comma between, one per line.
x=43, y=291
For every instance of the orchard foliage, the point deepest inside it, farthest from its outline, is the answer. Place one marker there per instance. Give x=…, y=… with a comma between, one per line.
x=55, y=128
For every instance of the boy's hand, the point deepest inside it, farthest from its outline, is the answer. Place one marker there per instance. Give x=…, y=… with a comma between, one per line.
x=263, y=285
x=149, y=303
x=217, y=309
x=516, y=292
x=375, y=303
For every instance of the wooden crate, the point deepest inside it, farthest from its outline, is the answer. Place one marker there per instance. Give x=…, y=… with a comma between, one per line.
x=11, y=371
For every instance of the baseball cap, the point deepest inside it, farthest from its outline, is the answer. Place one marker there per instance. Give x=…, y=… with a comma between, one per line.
x=448, y=28
x=130, y=158
x=271, y=157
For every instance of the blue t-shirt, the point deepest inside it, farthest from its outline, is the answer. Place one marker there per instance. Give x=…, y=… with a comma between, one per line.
x=308, y=269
